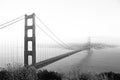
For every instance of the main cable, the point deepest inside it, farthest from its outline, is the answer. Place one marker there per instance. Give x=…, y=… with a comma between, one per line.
x=51, y=37
x=11, y=22
x=52, y=32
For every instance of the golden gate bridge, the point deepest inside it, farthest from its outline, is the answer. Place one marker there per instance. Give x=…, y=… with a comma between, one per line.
x=30, y=41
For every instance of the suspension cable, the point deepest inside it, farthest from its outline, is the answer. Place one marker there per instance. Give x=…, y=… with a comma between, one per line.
x=53, y=33
x=52, y=37
x=11, y=22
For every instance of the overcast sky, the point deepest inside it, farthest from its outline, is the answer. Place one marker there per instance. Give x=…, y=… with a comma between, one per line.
x=73, y=21
x=70, y=20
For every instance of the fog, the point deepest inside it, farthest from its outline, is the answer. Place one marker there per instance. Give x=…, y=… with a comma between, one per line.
x=73, y=21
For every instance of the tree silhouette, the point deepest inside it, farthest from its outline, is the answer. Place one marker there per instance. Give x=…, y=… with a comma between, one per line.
x=48, y=75
x=5, y=75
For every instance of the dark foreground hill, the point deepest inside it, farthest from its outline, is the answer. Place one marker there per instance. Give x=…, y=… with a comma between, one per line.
x=32, y=74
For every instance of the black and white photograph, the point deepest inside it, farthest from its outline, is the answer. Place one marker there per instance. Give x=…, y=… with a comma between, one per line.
x=59, y=39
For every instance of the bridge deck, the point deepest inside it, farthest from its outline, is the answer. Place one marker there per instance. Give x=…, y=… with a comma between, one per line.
x=54, y=59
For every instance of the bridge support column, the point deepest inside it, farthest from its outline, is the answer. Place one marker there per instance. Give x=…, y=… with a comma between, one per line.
x=29, y=40
x=89, y=46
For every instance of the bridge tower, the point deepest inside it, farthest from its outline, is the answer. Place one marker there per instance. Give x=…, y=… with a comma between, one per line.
x=89, y=45
x=29, y=40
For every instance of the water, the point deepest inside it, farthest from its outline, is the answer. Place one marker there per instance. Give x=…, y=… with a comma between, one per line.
x=100, y=60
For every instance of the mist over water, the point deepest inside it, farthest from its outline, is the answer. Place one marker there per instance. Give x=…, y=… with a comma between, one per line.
x=97, y=60
x=84, y=63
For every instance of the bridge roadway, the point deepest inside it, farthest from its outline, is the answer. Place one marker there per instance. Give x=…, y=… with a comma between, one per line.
x=54, y=59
